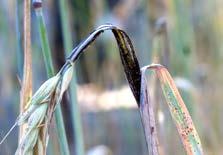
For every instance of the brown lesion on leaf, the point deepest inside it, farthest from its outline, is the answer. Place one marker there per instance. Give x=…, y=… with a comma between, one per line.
x=37, y=4
x=152, y=130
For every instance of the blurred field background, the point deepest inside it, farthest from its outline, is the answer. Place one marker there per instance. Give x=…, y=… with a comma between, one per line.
x=188, y=41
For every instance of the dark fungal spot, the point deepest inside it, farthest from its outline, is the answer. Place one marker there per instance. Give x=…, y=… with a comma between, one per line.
x=37, y=4
x=152, y=130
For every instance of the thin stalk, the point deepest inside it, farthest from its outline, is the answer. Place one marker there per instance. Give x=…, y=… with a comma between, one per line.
x=50, y=72
x=76, y=115
x=26, y=91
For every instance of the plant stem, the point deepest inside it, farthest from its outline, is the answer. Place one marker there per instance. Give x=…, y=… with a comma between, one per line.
x=76, y=116
x=26, y=91
x=50, y=72
x=45, y=44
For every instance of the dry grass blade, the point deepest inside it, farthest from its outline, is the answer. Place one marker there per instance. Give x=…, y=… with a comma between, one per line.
x=26, y=91
x=178, y=110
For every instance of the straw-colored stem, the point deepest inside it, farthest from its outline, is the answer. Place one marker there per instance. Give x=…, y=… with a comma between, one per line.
x=26, y=91
x=50, y=72
x=76, y=116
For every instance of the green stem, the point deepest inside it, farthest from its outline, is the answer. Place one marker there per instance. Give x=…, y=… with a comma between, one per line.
x=50, y=72
x=76, y=115
x=45, y=43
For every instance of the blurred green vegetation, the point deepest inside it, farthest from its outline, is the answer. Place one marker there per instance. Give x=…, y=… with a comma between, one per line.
x=190, y=45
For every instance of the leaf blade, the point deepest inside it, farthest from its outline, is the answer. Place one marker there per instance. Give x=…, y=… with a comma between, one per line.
x=179, y=112
x=129, y=62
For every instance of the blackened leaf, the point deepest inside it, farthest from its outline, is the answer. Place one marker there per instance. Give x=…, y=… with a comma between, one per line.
x=127, y=53
x=129, y=62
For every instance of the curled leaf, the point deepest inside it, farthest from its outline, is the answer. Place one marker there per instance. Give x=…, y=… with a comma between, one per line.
x=129, y=62
x=127, y=53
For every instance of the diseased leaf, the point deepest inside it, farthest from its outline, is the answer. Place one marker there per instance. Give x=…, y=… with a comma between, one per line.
x=127, y=53
x=178, y=110
x=129, y=62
